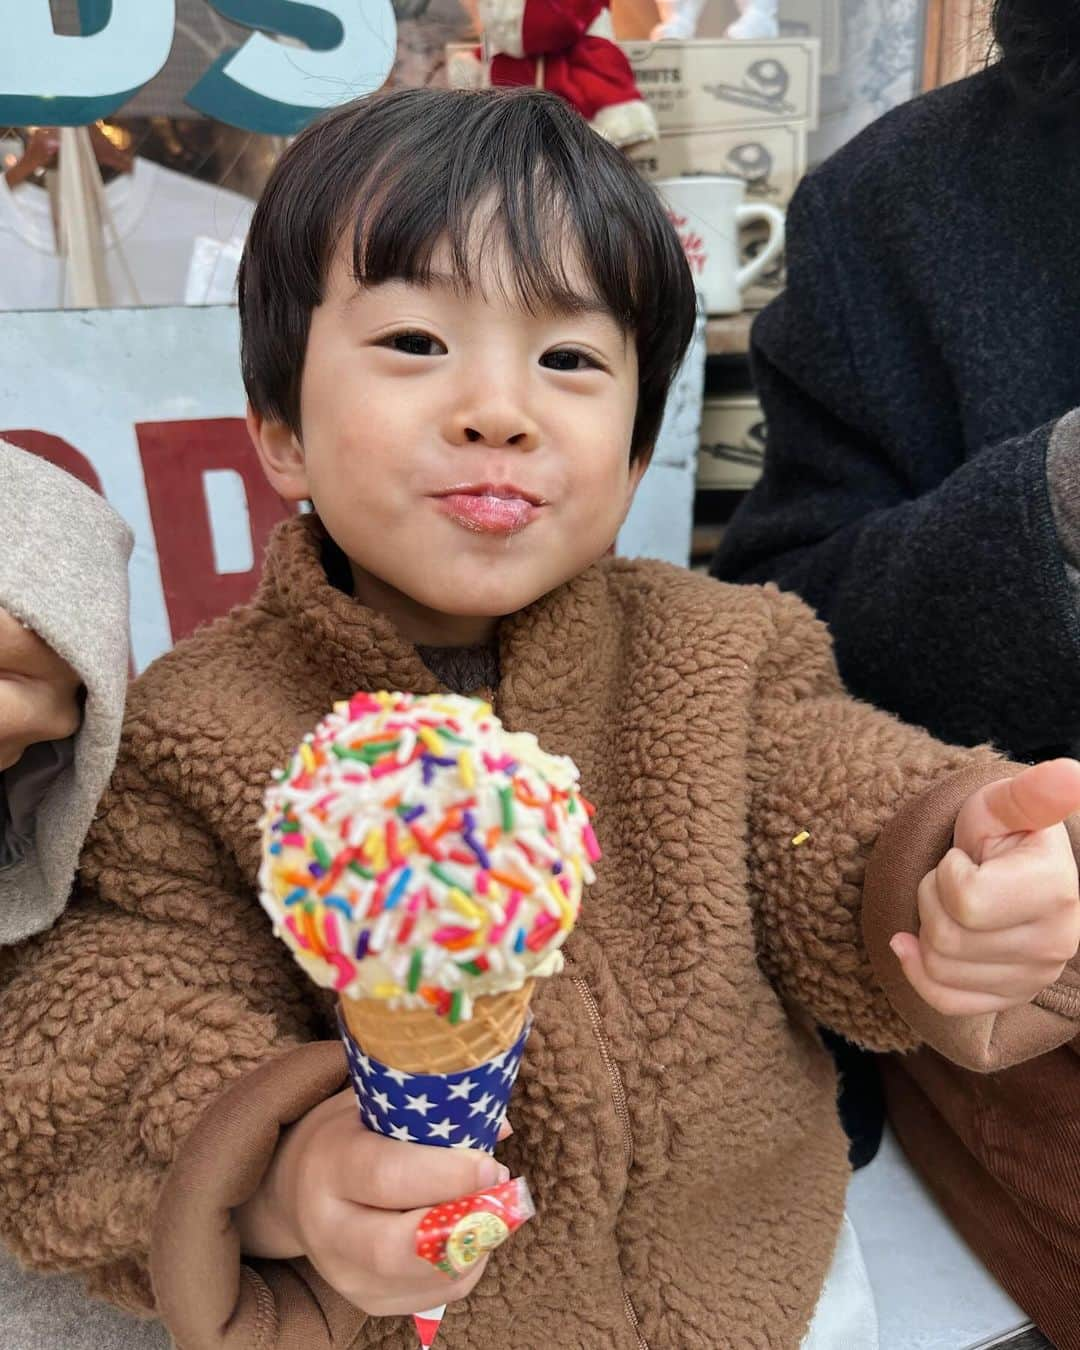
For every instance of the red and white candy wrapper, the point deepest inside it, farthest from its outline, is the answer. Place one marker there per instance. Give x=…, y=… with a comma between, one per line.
x=447, y=1110
x=454, y=1236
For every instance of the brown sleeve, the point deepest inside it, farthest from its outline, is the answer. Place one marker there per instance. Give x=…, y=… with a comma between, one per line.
x=822, y=762
x=160, y=986
x=207, y=1296
x=909, y=846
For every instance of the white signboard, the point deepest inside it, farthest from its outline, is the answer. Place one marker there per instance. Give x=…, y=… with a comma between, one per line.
x=147, y=406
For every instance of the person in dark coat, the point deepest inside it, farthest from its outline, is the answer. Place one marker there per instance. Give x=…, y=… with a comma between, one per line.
x=920, y=378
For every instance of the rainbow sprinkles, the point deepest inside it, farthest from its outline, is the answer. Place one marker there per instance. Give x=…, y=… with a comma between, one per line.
x=417, y=853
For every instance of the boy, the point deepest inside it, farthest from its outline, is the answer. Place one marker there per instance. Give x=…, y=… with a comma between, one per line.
x=461, y=313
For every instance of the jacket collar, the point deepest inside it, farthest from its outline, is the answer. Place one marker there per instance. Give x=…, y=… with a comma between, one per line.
x=560, y=657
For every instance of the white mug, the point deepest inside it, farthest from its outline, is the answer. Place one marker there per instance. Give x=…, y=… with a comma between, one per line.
x=707, y=211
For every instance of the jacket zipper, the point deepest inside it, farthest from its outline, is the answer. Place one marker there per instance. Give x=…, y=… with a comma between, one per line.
x=618, y=1092
x=618, y=1097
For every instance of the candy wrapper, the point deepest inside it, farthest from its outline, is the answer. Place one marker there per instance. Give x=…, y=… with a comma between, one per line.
x=454, y=1236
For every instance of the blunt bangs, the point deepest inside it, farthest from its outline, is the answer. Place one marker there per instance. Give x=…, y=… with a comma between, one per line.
x=524, y=194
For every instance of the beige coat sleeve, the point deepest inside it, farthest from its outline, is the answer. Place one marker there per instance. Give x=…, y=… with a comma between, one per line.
x=152, y=1044
x=877, y=800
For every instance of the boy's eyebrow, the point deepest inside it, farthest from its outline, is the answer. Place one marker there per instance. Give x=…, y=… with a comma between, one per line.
x=582, y=304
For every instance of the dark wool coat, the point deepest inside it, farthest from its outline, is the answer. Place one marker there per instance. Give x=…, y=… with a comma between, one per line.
x=911, y=376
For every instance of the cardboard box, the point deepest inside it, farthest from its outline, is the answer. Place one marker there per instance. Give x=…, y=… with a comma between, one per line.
x=708, y=85
x=815, y=18
x=701, y=85
x=732, y=448
x=772, y=159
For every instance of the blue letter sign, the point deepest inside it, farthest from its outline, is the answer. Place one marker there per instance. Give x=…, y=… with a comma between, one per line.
x=333, y=50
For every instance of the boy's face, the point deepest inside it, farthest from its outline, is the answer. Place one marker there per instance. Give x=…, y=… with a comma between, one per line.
x=467, y=456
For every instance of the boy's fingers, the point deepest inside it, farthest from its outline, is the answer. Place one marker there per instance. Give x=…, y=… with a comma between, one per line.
x=1044, y=795
x=951, y=1002
x=390, y=1175
x=1017, y=887
x=383, y=1246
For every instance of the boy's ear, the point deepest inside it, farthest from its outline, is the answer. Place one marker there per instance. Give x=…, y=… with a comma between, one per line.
x=280, y=454
x=637, y=472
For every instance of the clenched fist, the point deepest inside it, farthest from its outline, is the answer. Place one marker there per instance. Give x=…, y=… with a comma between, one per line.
x=39, y=692
x=999, y=916
x=351, y=1201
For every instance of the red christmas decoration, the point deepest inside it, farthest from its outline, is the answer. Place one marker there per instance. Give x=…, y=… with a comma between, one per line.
x=568, y=48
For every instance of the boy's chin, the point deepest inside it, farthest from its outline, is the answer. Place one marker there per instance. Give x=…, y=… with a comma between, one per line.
x=489, y=605
x=496, y=598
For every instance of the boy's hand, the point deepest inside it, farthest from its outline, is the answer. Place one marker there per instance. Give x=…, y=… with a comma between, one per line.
x=999, y=917
x=351, y=1202
x=38, y=692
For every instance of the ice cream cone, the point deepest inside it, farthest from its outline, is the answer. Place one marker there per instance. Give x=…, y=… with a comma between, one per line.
x=428, y=865
x=421, y=1078
x=419, y=1040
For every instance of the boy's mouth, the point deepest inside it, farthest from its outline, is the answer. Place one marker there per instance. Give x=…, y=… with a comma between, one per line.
x=490, y=508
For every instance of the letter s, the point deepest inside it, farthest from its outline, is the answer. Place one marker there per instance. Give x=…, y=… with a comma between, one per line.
x=277, y=89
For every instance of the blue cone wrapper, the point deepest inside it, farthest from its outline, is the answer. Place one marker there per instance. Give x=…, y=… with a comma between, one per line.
x=448, y=1110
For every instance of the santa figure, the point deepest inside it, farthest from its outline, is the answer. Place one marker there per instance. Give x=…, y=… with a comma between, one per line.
x=757, y=19
x=567, y=47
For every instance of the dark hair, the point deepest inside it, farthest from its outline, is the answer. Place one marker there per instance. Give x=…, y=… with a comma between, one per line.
x=1040, y=52
x=406, y=169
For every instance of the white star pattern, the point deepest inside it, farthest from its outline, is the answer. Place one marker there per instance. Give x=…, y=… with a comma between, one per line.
x=480, y=1106
x=462, y=1111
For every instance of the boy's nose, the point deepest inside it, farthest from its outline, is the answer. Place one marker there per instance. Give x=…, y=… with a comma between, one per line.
x=497, y=426
x=522, y=440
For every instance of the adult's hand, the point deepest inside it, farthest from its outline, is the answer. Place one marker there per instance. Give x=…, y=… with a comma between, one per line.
x=39, y=692
x=40, y=154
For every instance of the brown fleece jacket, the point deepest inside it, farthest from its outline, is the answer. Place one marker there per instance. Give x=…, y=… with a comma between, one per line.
x=675, y=1116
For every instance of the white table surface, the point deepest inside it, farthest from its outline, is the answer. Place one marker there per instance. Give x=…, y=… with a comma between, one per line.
x=932, y=1292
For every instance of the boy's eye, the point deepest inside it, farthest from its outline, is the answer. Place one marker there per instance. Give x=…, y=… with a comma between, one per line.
x=416, y=344
x=568, y=358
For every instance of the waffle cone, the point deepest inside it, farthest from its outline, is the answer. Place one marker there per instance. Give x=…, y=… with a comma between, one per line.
x=418, y=1040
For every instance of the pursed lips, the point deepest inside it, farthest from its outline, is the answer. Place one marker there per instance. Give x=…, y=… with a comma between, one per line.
x=490, y=508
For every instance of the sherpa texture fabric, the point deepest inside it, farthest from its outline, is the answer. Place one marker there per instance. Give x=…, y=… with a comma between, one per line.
x=63, y=573
x=675, y=1115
